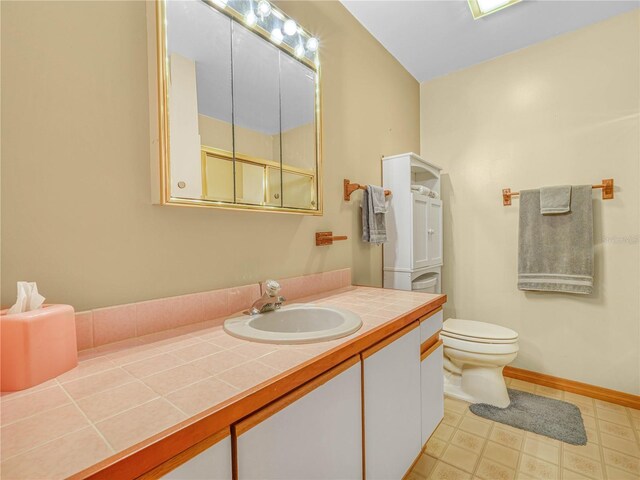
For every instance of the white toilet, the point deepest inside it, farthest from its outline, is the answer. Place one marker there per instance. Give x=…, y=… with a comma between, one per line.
x=474, y=355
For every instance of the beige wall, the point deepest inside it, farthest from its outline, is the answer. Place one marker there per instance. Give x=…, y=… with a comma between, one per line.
x=76, y=211
x=219, y=134
x=298, y=142
x=563, y=111
x=298, y=146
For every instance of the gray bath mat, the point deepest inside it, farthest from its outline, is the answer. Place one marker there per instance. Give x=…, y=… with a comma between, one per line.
x=542, y=415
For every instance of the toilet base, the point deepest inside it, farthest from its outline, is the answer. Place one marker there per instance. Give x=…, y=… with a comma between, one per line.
x=477, y=385
x=453, y=389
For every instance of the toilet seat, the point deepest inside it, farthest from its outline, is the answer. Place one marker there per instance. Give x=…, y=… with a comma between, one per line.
x=480, y=332
x=479, y=347
x=478, y=337
x=478, y=340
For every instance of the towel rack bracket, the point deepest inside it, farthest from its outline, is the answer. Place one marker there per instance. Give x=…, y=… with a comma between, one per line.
x=506, y=197
x=607, y=188
x=349, y=188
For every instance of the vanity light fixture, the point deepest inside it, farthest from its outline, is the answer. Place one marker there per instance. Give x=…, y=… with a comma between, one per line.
x=267, y=20
x=290, y=27
x=250, y=18
x=482, y=8
x=264, y=8
x=276, y=36
x=312, y=44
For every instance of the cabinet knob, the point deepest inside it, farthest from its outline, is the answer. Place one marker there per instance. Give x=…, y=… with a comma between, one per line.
x=431, y=231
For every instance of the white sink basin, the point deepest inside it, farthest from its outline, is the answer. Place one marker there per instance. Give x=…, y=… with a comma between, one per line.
x=295, y=324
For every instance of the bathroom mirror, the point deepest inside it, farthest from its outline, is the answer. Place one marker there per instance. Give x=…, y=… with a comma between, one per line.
x=239, y=108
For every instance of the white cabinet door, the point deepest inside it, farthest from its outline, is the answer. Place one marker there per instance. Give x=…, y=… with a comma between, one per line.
x=420, y=248
x=212, y=464
x=434, y=232
x=430, y=325
x=392, y=407
x=432, y=385
x=318, y=436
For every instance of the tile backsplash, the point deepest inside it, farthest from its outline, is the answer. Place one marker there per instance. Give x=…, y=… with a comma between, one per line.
x=120, y=322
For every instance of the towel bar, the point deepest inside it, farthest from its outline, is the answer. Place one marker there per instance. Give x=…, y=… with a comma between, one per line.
x=349, y=188
x=606, y=186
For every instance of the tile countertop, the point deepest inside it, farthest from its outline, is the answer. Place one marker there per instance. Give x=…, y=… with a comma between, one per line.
x=122, y=394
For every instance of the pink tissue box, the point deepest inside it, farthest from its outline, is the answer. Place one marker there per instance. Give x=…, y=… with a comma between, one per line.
x=37, y=346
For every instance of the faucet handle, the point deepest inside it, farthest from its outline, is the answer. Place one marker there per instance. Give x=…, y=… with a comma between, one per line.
x=271, y=288
x=279, y=301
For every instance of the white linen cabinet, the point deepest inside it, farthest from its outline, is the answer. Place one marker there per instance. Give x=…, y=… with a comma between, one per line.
x=392, y=405
x=314, y=434
x=413, y=252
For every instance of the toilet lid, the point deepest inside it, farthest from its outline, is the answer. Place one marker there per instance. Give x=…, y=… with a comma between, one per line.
x=478, y=331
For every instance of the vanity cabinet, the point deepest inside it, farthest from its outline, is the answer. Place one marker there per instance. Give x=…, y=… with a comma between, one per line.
x=366, y=418
x=432, y=389
x=392, y=404
x=312, y=433
x=214, y=463
x=431, y=379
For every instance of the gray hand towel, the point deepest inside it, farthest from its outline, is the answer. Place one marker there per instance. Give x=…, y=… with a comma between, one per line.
x=365, y=216
x=378, y=199
x=554, y=200
x=374, y=228
x=555, y=252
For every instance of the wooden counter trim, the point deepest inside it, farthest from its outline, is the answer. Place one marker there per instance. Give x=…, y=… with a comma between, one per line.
x=148, y=454
x=274, y=407
x=599, y=393
x=173, y=463
x=390, y=339
x=429, y=342
x=430, y=350
x=431, y=314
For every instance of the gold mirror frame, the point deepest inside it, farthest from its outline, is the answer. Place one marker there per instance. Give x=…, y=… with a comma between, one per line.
x=159, y=116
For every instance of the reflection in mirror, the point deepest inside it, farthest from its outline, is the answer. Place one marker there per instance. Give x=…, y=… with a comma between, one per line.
x=256, y=113
x=298, y=137
x=199, y=91
x=239, y=114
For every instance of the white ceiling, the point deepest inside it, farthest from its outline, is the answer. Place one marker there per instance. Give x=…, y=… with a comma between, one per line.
x=431, y=38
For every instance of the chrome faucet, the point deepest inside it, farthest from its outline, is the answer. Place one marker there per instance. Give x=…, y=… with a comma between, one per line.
x=269, y=301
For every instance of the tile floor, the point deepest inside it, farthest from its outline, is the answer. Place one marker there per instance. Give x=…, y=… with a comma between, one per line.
x=466, y=446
